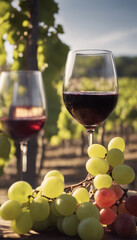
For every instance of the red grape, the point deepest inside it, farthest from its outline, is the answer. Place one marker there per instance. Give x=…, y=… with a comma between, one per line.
x=118, y=190
x=131, y=205
x=125, y=226
x=105, y=197
x=94, y=203
x=107, y=216
x=122, y=209
x=114, y=208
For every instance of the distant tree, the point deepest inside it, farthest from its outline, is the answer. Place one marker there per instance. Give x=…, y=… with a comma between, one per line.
x=31, y=28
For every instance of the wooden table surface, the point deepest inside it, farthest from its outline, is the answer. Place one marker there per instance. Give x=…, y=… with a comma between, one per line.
x=7, y=234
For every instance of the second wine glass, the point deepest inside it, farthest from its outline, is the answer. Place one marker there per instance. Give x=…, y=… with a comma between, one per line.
x=22, y=107
x=90, y=88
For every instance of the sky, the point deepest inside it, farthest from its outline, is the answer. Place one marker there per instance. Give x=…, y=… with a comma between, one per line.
x=99, y=24
x=96, y=24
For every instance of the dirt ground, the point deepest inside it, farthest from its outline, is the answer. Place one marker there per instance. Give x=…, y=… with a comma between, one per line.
x=68, y=159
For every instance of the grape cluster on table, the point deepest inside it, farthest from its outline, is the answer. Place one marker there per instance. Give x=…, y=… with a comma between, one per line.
x=84, y=209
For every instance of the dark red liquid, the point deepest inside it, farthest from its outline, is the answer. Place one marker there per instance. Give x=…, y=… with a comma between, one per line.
x=90, y=108
x=22, y=128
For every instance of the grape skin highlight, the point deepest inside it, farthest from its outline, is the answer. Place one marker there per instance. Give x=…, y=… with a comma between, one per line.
x=55, y=173
x=20, y=191
x=52, y=187
x=97, y=150
x=81, y=194
x=96, y=166
x=53, y=209
x=117, y=142
x=102, y=181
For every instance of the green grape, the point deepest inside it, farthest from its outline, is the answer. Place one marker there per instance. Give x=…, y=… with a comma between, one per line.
x=12, y=225
x=117, y=142
x=20, y=191
x=53, y=219
x=123, y=174
x=115, y=157
x=59, y=224
x=81, y=194
x=10, y=210
x=102, y=181
x=39, y=209
x=97, y=150
x=55, y=173
x=52, y=187
x=70, y=225
x=90, y=228
x=97, y=165
x=54, y=210
x=65, y=204
x=86, y=210
x=23, y=223
x=39, y=226
x=4, y=146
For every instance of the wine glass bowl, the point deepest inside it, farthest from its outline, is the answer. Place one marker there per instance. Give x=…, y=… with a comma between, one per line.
x=90, y=88
x=23, y=109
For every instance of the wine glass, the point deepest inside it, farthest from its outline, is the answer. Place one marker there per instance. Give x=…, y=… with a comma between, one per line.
x=90, y=87
x=22, y=107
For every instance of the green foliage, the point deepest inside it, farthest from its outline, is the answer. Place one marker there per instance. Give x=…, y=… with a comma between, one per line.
x=67, y=127
x=7, y=151
x=55, y=55
x=5, y=7
x=47, y=11
x=51, y=52
x=2, y=52
x=126, y=66
x=125, y=112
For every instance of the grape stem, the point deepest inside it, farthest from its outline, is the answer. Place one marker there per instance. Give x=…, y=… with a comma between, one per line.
x=124, y=194
x=84, y=183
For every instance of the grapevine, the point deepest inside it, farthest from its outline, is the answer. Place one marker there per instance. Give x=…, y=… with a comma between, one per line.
x=85, y=209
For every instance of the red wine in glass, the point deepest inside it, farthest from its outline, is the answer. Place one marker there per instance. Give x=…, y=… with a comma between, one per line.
x=90, y=87
x=23, y=122
x=23, y=107
x=90, y=108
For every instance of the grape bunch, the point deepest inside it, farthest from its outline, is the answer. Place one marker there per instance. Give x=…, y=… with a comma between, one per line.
x=84, y=209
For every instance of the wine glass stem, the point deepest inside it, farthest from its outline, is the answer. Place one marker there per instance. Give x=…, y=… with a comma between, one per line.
x=90, y=136
x=23, y=149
